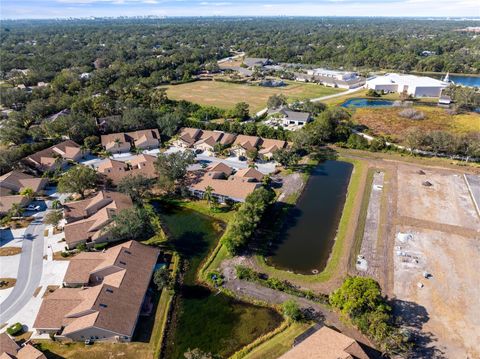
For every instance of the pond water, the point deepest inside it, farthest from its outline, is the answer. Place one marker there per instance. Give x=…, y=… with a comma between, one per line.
x=365, y=102
x=309, y=232
x=471, y=81
x=213, y=322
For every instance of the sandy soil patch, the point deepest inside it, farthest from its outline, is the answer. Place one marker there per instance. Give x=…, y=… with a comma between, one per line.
x=446, y=307
x=447, y=201
x=10, y=251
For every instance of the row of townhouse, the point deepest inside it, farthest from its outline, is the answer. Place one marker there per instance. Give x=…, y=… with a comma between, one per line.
x=117, y=170
x=205, y=141
x=124, y=141
x=103, y=295
x=225, y=183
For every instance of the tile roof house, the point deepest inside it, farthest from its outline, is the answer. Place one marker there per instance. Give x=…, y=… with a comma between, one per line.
x=88, y=220
x=9, y=349
x=107, y=306
x=55, y=156
x=124, y=141
x=12, y=183
x=243, y=144
x=225, y=186
x=187, y=137
x=250, y=173
x=117, y=170
x=208, y=140
x=269, y=146
x=327, y=343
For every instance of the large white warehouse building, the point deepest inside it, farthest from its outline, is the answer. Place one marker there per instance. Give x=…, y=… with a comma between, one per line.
x=417, y=86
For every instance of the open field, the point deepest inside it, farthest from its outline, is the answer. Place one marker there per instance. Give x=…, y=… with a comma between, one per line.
x=445, y=231
x=387, y=122
x=225, y=95
x=55, y=350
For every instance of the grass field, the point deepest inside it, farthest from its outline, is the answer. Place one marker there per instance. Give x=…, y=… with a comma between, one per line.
x=225, y=95
x=210, y=321
x=56, y=350
x=387, y=122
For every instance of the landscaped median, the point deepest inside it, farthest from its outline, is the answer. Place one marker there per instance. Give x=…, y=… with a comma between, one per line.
x=346, y=229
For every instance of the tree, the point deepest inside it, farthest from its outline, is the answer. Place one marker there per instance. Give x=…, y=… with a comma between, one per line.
x=169, y=123
x=56, y=204
x=136, y=186
x=16, y=210
x=78, y=179
x=291, y=310
x=91, y=142
x=172, y=168
x=240, y=111
x=252, y=154
x=208, y=194
x=131, y=223
x=53, y=217
x=276, y=101
x=162, y=278
x=286, y=157
x=413, y=139
x=27, y=192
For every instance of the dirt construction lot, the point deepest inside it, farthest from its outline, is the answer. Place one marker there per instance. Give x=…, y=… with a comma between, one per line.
x=438, y=232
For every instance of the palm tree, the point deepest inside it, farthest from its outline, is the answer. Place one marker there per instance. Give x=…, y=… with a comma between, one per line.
x=16, y=210
x=83, y=150
x=253, y=165
x=58, y=160
x=208, y=194
x=117, y=142
x=56, y=204
x=28, y=192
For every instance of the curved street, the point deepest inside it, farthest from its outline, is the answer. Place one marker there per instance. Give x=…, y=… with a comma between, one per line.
x=29, y=270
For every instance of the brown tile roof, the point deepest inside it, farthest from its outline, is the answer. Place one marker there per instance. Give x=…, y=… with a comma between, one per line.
x=326, y=343
x=115, y=140
x=97, y=213
x=190, y=135
x=30, y=352
x=222, y=168
x=247, y=142
x=68, y=150
x=17, y=181
x=8, y=345
x=250, y=173
x=227, y=139
x=139, y=138
x=7, y=202
x=81, y=265
x=112, y=305
x=270, y=146
x=234, y=187
x=117, y=170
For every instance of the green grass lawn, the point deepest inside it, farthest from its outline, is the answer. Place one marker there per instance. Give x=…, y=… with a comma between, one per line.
x=210, y=321
x=77, y=350
x=225, y=95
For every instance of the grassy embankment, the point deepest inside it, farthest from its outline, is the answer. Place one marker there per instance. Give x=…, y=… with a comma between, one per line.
x=225, y=95
x=210, y=321
x=338, y=250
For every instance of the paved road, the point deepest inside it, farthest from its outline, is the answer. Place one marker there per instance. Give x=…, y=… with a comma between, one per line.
x=29, y=270
x=323, y=98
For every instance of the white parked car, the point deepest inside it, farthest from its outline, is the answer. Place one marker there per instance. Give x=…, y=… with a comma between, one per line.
x=32, y=207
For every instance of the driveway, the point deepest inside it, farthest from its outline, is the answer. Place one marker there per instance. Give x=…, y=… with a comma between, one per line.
x=29, y=271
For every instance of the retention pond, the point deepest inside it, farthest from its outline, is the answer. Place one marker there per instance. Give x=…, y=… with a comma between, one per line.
x=309, y=231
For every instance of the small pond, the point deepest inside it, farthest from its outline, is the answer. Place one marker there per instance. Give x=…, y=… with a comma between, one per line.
x=464, y=80
x=305, y=242
x=366, y=102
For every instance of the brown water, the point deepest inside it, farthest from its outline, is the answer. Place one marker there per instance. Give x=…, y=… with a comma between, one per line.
x=309, y=231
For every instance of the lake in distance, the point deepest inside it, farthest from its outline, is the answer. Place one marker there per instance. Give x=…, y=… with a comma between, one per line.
x=309, y=231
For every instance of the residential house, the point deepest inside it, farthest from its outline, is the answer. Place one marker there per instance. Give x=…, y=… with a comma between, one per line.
x=294, y=119
x=243, y=144
x=14, y=182
x=225, y=186
x=269, y=146
x=89, y=220
x=250, y=174
x=207, y=141
x=103, y=295
x=252, y=62
x=117, y=170
x=56, y=156
x=415, y=86
x=124, y=141
x=187, y=137
x=9, y=349
x=327, y=343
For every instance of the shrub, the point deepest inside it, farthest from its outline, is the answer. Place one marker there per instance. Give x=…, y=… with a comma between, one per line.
x=65, y=254
x=291, y=310
x=82, y=247
x=15, y=329
x=100, y=246
x=216, y=278
x=412, y=114
x=246, y=273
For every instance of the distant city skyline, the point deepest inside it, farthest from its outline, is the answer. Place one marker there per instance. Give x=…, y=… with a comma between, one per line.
x=44, y=9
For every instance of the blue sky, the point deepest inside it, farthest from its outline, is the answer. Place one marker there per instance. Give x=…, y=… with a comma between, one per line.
x=83, y=8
